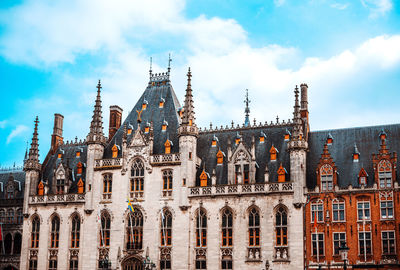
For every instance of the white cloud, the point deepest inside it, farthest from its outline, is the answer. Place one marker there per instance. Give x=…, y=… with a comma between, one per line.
x=340, y=6
x=279, y=3
x=377, y=7
x=3, y=123
x=20, y=129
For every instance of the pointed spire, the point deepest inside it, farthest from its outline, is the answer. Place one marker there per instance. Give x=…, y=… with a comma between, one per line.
x=188, y=108
x=169, y=63
x=32, y=163
x=96, y=134
x=151, y=67
x=297, y=129
x=247, y=109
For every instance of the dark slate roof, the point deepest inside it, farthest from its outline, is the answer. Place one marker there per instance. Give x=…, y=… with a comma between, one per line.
x=19, y=183
x=367, y=141
x=274, y=136
x=69, y=162
x=152, y=113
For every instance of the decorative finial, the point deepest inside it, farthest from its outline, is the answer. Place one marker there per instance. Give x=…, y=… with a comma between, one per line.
x=247, y=109
x=277, y=119
x=169, y=63
x=151, y=66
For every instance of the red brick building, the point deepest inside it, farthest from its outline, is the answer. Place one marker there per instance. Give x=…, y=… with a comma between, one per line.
x=353, y=193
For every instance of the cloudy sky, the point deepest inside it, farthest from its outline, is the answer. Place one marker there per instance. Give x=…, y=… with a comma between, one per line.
x=53, y=52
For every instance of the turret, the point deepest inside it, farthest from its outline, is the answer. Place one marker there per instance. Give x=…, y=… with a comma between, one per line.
x=188, y=133
x=32, y=168
x=304, y=109
x=96, y=142
x=297, y=146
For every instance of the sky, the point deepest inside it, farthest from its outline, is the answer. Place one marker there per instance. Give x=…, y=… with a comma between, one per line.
x=52, y=53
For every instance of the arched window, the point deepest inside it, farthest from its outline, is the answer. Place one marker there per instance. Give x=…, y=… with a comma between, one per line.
x=75, y=231
x=107, y=186
x=385, y=174
x=201, y=228
x=281, y=227
x=2, y=215
x=10, y=216
x=242, y=168
x=8, y=243
x=35, y=232
x=254, y=228
x=17, y=243
x=20, y=218
x=167, y=183
x=137, y=179
x=55, y=232
x=60, y=182
x=227, y=228
x=166, y=228
x=105, y=230
x=326, y=177
x=10, y=191
x=134, y=230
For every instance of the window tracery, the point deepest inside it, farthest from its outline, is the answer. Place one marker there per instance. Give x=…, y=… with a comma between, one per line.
x=137, y=179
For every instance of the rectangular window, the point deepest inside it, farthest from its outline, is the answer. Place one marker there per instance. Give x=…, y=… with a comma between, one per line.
x=201, y=264
x=53, y=264
x=167, y=183
x=165, y=264
x=363, y=210
x=73, y=264
x=338, y=211
x=60, y=186
x=254, y=237
x=227, y=264
x=246, y=174
x=107, y=186
x=387, y=209
x=318, y=210
x=385, y=179
x=365, y=243
x=338, y=238
x=227, y=235
x=237, y=172
x=388, y=243
x=318, y=244
x=137, y=187
x=326, y=182
x=33, y=264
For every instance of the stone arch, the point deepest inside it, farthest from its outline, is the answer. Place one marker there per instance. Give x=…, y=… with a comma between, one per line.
x=132, y=262
x=17, y=243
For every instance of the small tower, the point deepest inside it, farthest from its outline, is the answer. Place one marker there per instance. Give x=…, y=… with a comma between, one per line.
x=188, y=133
x=57, y=136
x=304, y=109
x=96, y=142
x=297, y=146
x=247, y=110
x=32, y=168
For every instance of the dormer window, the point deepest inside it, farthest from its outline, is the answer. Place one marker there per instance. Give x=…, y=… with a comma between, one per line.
x=214, y=141
x=382, y=135
x=273, y=153
x=220, y=157
x=362, y=176
x=326, y=177
x=281, y=174
x=164, y=126
x=329, y=140
x=161, y=103
x=237, y=138
x=60, y=183
x=144, y=105
x=80, y=186
x=114, y=150
x=40, y=189
x=385, y=174
x=79, y=167
x=203, y=179
x=167, y=146
x=78, y=154
x=190, y=122
x=59, y=156
x=130, y=128
x=262, y=137
x=356, y=154
x=287, y=135
x=180, y=112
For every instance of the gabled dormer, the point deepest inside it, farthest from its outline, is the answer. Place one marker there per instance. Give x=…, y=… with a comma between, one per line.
x=326, y=171
x=363, y=177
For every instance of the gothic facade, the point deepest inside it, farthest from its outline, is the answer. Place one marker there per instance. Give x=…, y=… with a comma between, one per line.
x=237, y=197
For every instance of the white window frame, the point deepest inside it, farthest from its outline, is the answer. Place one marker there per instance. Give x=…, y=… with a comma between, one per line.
x=327, y=179
x=363, y=209
x=388, y=239
x=386, y=217
x=323, y=243
x=339, y=203
x=317, y=205
x=340, y=240
x=359, y=246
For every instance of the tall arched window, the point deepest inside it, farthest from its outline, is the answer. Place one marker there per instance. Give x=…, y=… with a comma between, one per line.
x=137, y=179
x=17, y=243
x=326, y=177
x=134, y=230
x=35, y=232
x=20, y=218
x=107, y=186
x=227, y=228
x=55, y=232
x=281, y=227
x=167, y=183
x=105, y=230
x=8, y=243
x=166, y=228
x=201, y=228
x=75, y=231
x=254, y=228
x=385, y=174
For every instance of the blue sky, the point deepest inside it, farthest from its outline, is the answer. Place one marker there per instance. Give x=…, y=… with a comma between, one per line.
x=53, y=52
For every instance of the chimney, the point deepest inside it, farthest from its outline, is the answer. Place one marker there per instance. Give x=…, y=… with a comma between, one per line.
x=57, y=136
x=115, y=120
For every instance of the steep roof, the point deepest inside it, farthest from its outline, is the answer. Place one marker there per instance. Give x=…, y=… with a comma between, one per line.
x=155, y=91
x=18, y=176
x=342, y=149
x=275, y=135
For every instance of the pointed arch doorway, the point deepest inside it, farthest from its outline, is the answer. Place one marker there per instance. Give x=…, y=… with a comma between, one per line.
x=132, y=263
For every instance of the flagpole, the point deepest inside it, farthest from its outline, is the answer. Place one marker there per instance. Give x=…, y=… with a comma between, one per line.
x=163, y=227
x=365, y=241
x=200, y=228
x=132, y=238
x=101, y=228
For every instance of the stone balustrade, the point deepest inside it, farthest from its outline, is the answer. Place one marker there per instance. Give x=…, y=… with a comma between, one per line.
x=58, y=198
x=165, y=159
x=241, y=189
x=108, y=163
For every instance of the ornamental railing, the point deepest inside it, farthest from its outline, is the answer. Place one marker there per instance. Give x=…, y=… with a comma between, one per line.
x=241, y=189
x=59, y=198
x=164, y=159
x=108, y=163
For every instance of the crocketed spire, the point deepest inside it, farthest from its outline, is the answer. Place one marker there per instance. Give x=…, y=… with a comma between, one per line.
x=96, y=134
x=188, y=108
x=297, y=129
x=32, y=163
x=247, y=109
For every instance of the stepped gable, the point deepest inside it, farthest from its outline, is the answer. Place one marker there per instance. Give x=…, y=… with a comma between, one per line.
x=69, y=161
x=155, y=91
x=19, y=178
x=274, y=136
x=342, y=149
